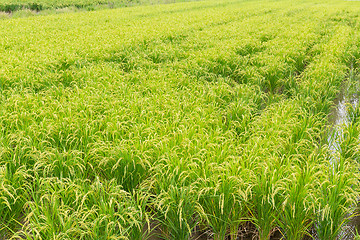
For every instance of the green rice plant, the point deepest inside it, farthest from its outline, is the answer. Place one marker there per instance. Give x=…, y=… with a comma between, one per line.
x=14, y=182
x=222, y=199
x=141, y=201
x=336, y=200
x=176, y=212
x=273, y=75
x=11, y=203
x=123, y=165
x=82, y=210
x=174, y=199
x=296, y=212
x=267, y=196
x=348, y=144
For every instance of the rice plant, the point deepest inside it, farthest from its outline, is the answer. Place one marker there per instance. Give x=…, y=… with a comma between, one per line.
x=222, y=199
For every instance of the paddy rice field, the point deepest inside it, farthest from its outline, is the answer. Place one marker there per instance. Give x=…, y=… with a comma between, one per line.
x=233, y=119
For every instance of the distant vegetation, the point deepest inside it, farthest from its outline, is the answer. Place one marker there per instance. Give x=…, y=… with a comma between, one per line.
x=207, y=117
x=40, y=5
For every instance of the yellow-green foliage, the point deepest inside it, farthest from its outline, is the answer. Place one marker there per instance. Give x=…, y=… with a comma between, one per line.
x=190, y=115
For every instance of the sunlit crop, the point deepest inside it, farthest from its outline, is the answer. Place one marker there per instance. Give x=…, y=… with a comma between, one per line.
x=179, y=120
